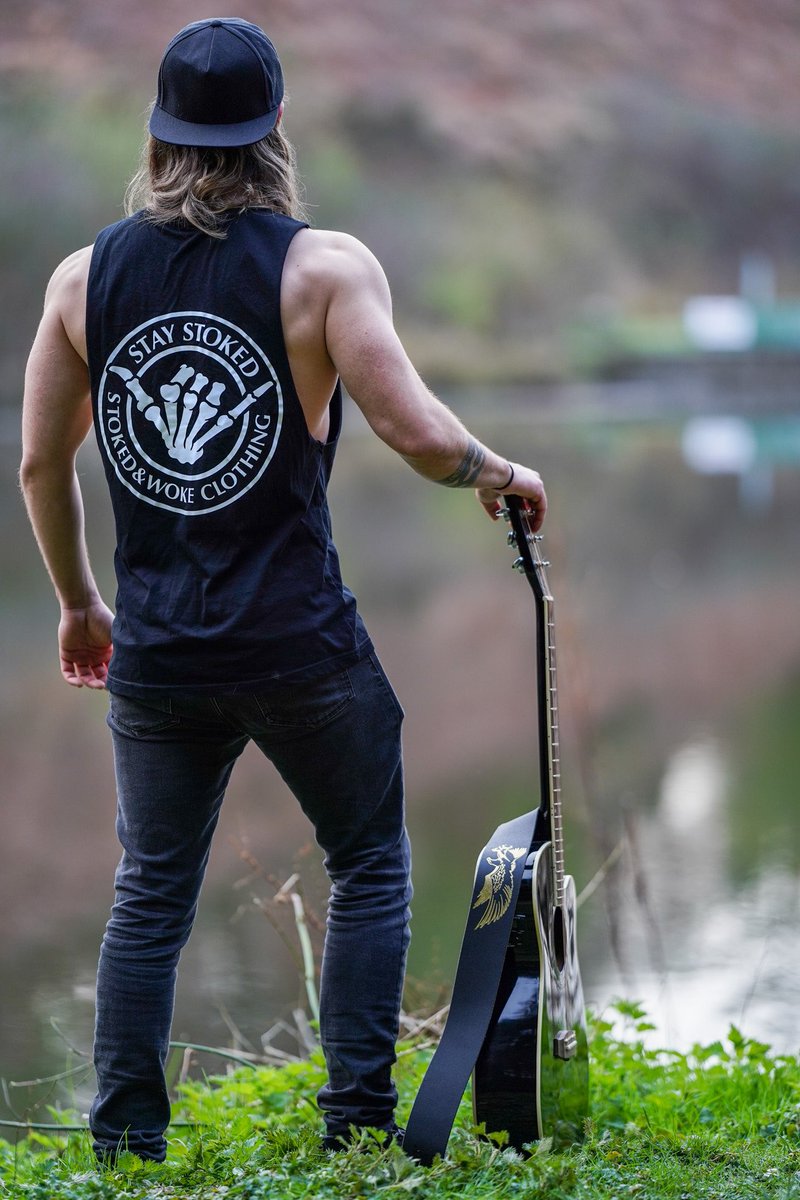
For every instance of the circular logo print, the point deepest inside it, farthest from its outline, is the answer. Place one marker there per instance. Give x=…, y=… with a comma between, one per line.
x=189, y=412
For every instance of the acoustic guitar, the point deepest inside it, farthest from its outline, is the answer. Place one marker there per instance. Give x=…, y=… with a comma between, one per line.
x=531, y=1076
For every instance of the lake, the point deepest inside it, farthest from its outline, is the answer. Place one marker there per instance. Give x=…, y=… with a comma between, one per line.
x=679, y=657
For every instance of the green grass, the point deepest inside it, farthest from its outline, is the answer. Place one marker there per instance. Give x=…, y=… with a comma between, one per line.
x=722, y=1121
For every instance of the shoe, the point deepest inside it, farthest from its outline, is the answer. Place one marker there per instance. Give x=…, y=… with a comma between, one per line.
x=335, y=1142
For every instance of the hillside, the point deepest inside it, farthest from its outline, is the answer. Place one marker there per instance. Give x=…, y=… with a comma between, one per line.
x=516, y=166
x=500, y=79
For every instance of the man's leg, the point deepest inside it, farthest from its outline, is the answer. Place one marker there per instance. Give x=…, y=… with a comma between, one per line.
x=337, y=745
x=172, y=772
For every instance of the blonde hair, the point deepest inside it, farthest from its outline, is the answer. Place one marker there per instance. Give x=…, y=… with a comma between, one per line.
x=200, y=184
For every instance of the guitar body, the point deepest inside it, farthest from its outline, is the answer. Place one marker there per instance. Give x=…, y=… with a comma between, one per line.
x=532, y=1075
x=563, y=1094
x=505, y=1083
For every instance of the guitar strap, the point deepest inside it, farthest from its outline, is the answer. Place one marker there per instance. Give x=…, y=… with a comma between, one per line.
x=480, y=964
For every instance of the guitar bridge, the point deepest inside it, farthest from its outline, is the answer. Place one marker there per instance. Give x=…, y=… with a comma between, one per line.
x=565, y=1044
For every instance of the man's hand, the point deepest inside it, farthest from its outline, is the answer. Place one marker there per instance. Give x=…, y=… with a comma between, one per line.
x=84, y=642
x=527, y=484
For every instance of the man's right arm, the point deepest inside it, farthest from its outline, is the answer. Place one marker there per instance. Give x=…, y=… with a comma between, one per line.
x=376, y=371
x=56, y=416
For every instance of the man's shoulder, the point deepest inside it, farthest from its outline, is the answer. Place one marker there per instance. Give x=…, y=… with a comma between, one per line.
x=66, y=291
x=70, y=275
x=332, y=257
x=332, y=240
x=65, y=298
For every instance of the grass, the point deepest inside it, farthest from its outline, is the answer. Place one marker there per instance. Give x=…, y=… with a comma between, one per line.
x=721, y=1122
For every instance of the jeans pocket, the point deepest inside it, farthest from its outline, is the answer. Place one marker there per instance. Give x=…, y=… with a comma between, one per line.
x=384, y=683
x=308, y=705
x=138, y=718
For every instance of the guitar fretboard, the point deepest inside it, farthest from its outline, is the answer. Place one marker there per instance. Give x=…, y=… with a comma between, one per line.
x=553, y=754
x=533, y=565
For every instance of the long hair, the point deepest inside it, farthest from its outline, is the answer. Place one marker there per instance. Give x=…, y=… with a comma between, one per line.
x=201, y=184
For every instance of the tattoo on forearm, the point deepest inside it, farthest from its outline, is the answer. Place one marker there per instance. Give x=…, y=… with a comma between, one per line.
x=467, y=472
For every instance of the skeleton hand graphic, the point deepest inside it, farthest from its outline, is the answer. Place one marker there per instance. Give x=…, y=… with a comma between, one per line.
x=185, y=420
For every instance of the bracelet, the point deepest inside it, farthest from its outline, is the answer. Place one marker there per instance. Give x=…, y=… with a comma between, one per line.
x=508, y=482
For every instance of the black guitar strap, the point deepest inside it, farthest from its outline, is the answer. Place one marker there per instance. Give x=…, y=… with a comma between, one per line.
x=494, y=897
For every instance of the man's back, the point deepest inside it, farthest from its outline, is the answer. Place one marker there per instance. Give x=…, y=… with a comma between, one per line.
x=227, y=575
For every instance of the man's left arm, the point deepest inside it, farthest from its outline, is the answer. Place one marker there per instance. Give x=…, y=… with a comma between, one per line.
x=57, y=415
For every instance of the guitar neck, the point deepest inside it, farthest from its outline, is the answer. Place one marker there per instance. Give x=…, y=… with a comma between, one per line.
x=533, y=566
x=549, y=740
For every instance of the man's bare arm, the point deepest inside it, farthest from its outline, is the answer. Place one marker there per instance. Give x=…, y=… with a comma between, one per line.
x=375, y=369
x=56, y=417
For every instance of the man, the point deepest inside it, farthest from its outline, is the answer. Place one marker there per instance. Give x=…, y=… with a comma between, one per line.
x=205, y=337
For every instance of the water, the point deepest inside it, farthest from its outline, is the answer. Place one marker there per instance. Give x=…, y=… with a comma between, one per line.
x=679, y=653
x=710, y=952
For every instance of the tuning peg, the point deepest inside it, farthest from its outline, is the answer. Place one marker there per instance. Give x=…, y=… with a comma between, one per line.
x=538, y=537
x=505, y=514
x=518, y=565
x=511, y=538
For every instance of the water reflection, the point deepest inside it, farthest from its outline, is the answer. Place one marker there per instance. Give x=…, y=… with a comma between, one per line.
x=677, y=630
x=730, y=954
x=694, y=787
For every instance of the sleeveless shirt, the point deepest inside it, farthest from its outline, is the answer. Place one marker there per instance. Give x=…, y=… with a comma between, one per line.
x=227, y=576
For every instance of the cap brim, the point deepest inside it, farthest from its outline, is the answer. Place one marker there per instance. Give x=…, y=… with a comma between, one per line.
x=170, y=129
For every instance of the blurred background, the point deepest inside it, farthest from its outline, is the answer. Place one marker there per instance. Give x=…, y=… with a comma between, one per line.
x=588, y=214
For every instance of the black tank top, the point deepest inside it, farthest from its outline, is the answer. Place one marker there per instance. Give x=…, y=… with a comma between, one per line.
x=227, y=576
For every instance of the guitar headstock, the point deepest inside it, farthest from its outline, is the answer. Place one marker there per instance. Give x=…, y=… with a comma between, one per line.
x=528, y=545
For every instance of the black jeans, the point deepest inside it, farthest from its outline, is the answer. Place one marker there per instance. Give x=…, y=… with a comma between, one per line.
x=336, y=742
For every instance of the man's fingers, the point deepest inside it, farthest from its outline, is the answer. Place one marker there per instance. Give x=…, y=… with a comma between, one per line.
x=535, y=503
x=537, y=512
x=84, y=674
x=91, y=675
x=537, y=507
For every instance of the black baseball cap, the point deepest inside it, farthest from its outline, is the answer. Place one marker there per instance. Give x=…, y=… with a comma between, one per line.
x=219, y=84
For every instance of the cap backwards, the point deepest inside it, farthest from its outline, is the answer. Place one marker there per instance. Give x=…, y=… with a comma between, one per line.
x=219, y=84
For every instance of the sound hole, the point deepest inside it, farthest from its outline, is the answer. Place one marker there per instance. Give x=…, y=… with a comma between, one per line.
x=559, y=939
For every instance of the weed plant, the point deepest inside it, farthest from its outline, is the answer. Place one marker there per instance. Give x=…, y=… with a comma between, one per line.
x=721, y=1122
